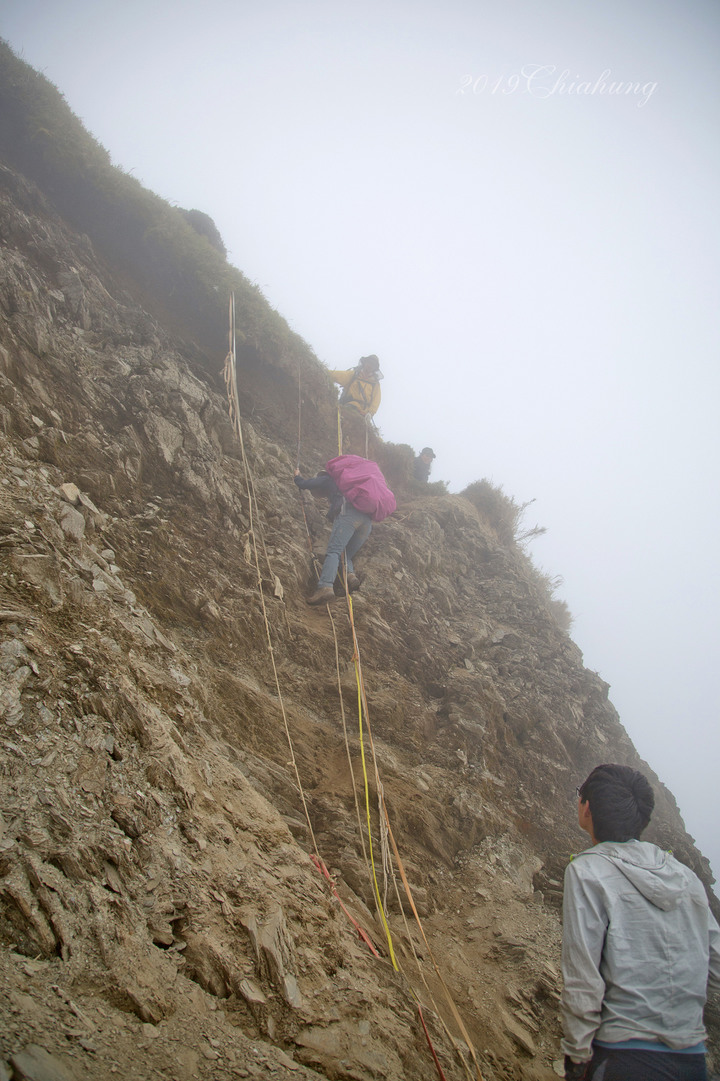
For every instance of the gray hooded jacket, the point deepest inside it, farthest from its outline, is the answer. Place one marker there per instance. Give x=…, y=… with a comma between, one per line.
x=639, y=942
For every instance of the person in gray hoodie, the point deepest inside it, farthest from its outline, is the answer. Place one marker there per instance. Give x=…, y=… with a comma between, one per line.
x=640, y=945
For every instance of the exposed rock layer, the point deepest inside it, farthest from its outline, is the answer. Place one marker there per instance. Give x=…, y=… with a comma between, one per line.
x=160, y=914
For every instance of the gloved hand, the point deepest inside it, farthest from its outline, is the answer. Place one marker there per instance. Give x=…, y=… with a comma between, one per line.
x=575, y=1071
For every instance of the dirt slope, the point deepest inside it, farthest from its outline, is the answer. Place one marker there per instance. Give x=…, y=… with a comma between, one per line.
x=166, y=777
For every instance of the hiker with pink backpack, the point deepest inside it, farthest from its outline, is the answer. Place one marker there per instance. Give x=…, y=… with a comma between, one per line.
x=358, y=495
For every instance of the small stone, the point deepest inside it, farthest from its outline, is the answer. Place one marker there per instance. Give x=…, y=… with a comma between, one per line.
x=519, y=1034
x=91, y=773
x=163, y=937
x=112, y=878
x=71, y=492
x=87, y=502
x=34, y=1063
x=72, y=522
x=252, y=993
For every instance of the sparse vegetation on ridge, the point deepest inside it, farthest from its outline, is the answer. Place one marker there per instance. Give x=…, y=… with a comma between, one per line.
x=176, y=255
x=504, y=515
x=501, y=512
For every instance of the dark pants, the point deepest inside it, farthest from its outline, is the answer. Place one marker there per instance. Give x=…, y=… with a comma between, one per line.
x=609, y=1065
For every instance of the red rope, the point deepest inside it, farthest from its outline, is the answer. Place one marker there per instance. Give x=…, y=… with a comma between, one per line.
x=430, y=1044
x=320, y=864
x=363, y=934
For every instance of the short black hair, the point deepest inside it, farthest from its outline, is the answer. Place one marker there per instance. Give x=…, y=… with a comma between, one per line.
x=621, y=802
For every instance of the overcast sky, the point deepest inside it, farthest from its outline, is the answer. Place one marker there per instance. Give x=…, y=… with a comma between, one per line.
x=515, y=205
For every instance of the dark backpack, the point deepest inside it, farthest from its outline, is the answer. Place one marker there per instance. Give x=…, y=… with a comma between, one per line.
x=363, y=485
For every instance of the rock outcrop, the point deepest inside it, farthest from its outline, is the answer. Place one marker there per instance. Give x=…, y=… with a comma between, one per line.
x=180, y=746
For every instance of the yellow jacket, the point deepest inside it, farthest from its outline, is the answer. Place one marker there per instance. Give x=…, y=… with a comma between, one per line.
x=359, y=393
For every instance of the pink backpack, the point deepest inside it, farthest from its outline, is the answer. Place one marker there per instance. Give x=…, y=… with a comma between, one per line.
x=362, y=483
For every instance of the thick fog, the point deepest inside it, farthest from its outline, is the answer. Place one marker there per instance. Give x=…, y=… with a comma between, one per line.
x=515, y=205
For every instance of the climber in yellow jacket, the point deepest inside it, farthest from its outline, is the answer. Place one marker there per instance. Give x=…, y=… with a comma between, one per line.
x=361, y=386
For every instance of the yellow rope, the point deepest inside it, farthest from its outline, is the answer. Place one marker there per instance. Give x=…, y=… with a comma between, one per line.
x=378, y=899
x=450, y=1035
x=384, y=826
x=384, y=821
x=346, y=735
x=362, y=706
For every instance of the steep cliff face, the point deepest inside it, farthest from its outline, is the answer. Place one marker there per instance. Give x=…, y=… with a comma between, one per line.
x=180, y=737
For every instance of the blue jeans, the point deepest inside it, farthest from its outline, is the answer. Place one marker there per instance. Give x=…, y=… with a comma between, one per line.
x=350, y=530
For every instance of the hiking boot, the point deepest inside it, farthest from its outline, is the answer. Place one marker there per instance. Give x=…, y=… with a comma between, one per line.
x=353, y=583
x=322, y=595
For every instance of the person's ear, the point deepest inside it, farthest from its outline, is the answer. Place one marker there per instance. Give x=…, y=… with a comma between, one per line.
x=585, y=817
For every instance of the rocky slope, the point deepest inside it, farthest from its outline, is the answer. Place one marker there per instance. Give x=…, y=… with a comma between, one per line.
x=180, y=737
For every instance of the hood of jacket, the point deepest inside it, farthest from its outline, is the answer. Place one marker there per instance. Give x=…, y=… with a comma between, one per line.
x=657, y=875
